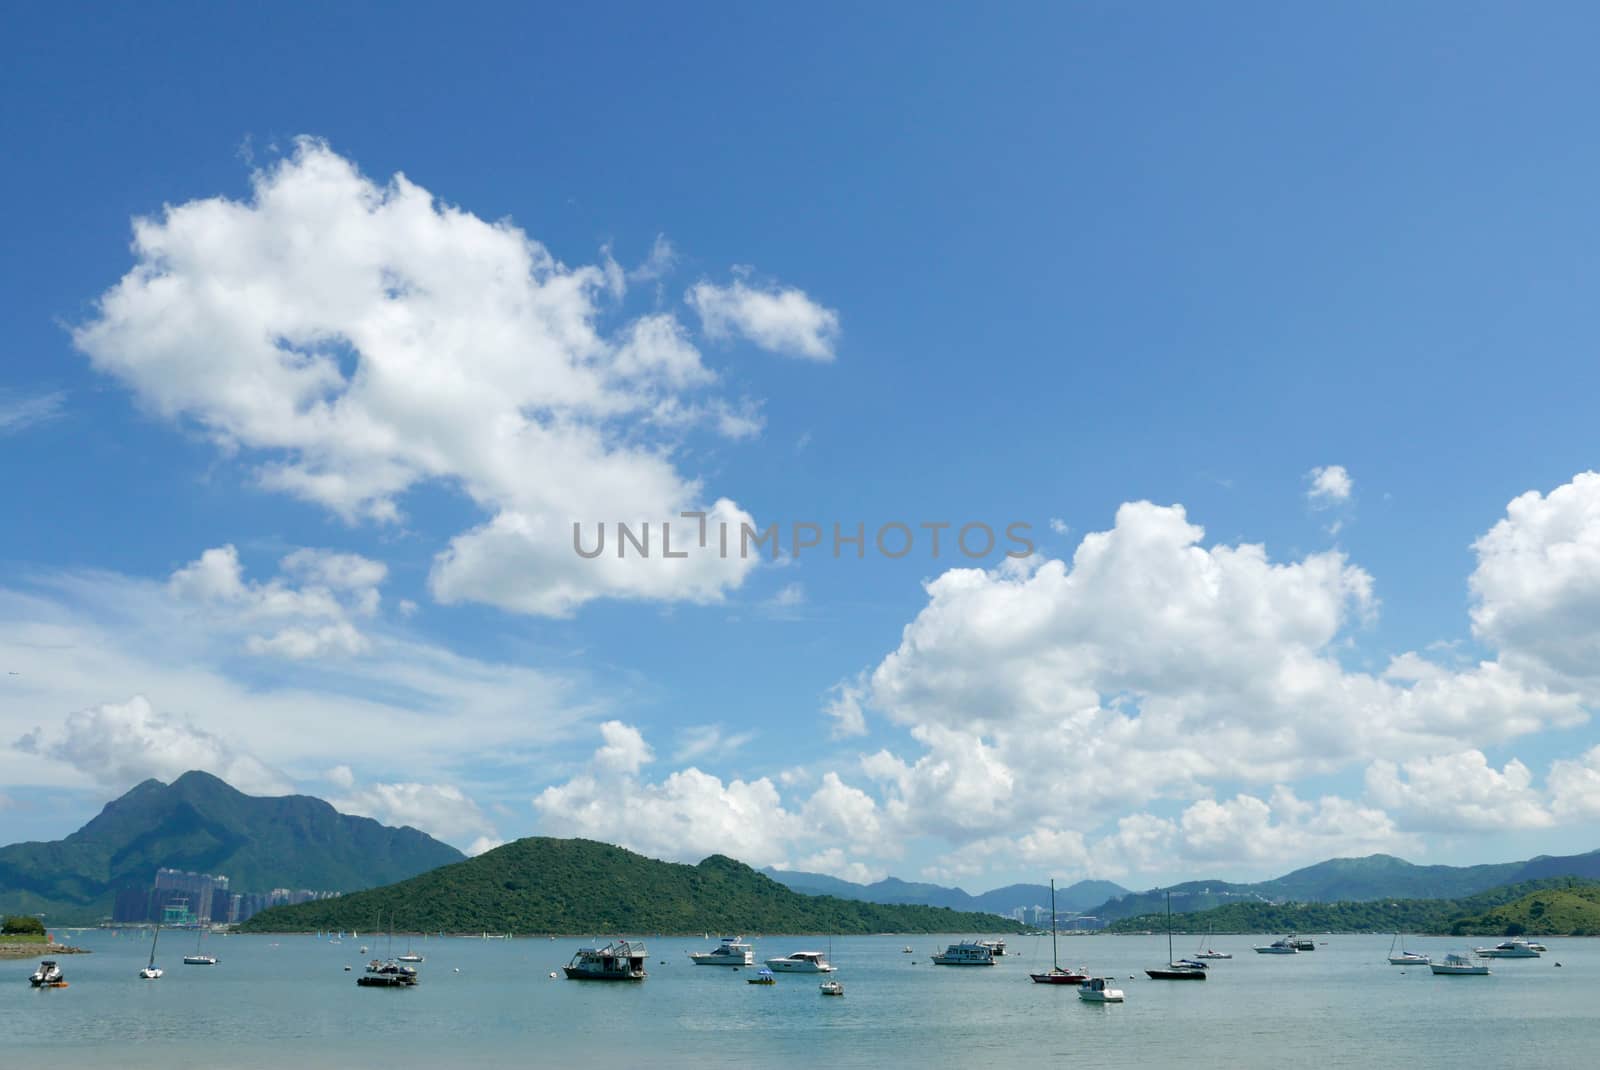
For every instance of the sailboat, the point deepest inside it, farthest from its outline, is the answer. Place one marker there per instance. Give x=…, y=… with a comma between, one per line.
x=1405, y=958
x=151, y=971
x=1177, y=969
x=410, y=955
x=1056, y=975
x=199, y=958
x=1206, y=952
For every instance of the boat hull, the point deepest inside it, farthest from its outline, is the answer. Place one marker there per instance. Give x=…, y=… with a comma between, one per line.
x=786, y=966
x=1176, y=975
x=1062, y=978
x=1442, y=970
x=574, y=973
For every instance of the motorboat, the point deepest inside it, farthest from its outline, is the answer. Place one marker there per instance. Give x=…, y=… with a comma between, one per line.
x=48, y=975
x=733, y=951
x=996, y=946
x=1055, y=975
x=1403, y=957
x=907, y=950
x=1510, y=949
x=831, y=988
x=1099, y=990
x=1537, y=946
x=1176, y=969
x=763, y=977
x=1459, y=966
x=1285, y=946
x=966, y=953
x=1302, y=944
x=801, y=962
x=619, y=960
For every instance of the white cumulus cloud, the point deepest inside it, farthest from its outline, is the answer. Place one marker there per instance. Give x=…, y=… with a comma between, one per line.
x=782, y=320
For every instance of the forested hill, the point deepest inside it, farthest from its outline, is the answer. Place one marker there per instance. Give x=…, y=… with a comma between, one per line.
x=543, y=885
x=1549, y=907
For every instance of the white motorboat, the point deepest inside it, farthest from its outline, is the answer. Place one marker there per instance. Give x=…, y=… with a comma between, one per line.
x=617, y=961
x=1403, y=957
x=1510, y=949
x=1459, y=966
x=801, y=962
x=1537, y=946
x=966, y=953
x=1284, y=946
x=48, y=975
x=831, y=988
x=1099, y=990
x=733, y=951
x=996, y=946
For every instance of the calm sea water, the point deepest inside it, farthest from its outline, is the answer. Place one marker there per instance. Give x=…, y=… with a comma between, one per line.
x=287, y=1002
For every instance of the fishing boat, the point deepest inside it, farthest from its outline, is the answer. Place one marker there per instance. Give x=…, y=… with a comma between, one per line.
x=1459, y=966
x=1176, y=969
x=966, y=953
x=150, y=971
x=48, y=975
x=732, y=951
x=1285, y=946
x=1510, y=949
x=1055, y=975
x=199, y=958
x=1206, y=952
x=802, y=962
x=763, y=977
x=831, y=988
x=1403, y=957
x=619, y=960
x=1099, y=990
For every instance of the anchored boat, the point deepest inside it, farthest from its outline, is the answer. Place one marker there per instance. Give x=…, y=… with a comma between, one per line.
x=619, y=960
x=733, y=951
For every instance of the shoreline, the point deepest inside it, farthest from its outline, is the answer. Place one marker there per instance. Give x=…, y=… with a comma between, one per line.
x=38, y=951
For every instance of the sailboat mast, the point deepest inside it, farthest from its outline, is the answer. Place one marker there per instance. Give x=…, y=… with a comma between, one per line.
x=1054, y=960
x=1169, y=927
x=153, y=940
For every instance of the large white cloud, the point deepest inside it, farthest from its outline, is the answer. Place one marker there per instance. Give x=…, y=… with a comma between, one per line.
x=1459, y=792
x=1536, y=588
x=357, y=339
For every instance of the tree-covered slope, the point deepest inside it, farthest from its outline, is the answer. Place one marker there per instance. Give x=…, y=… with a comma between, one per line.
x=1476, y=914
x=199, y=823
x=543, y=885
x=1573, y=910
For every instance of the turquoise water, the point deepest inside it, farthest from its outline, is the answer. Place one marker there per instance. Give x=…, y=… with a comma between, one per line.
x=286, y=1002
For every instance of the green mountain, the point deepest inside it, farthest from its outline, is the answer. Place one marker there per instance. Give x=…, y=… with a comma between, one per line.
x=1072, y=898
x=200, y=823
x=1490, y=912
x=1355, y=880
x=543, y=885
x=1573, y=910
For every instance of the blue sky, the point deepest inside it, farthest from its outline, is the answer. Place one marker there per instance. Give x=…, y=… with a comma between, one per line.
x=967, y=266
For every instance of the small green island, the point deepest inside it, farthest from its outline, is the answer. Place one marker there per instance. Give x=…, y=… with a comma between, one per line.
x=1557, y=906
x=541, y=885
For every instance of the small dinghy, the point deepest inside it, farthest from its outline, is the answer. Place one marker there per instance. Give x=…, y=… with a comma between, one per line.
x=763, y=977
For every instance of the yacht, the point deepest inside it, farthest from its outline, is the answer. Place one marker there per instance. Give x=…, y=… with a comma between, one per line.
x=1099, y=990
x=733, y=951
x=617, y=961
x=967, y=953
x=1285, y=946
x=1459, y=966
x=199, y=958
x=802, y=962
x=1510, y=949
x=48, y=975
x=150, y=971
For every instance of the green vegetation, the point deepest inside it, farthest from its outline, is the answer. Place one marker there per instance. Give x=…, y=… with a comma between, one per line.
x=542, y=885
x=200, y=823
x=21, y=925
x=1569, y=904
x=1573, y=910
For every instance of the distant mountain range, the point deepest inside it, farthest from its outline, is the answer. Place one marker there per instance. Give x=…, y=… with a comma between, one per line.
x=200, y=823
x=1072, y=898
x=544, y=885
x=1352, y=880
